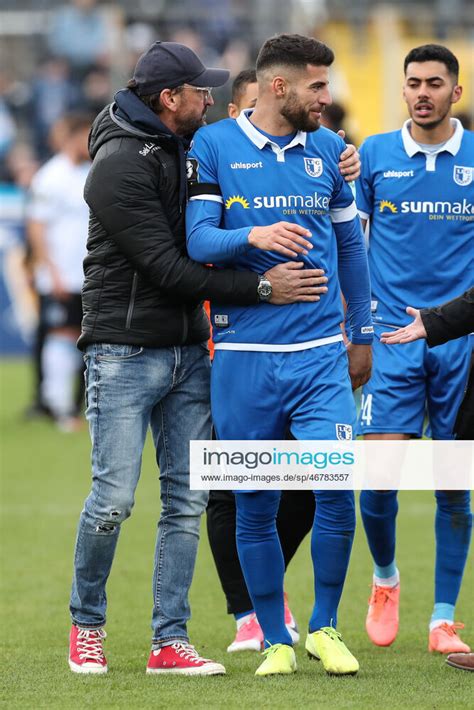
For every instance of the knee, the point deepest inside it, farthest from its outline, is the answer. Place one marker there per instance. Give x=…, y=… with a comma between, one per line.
x=107, y=518
x=336, y=509
x=454, y=501
x=455, y=506
x=256, y=512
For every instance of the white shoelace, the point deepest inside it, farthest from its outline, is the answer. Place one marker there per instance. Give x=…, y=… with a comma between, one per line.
x=89, y=644
x=188, y=652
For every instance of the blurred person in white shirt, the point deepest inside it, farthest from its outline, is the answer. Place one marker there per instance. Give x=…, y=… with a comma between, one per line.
x=57, y=230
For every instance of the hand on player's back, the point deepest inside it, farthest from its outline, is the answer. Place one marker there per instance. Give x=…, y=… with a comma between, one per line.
x=292, y=283
x=349, y=165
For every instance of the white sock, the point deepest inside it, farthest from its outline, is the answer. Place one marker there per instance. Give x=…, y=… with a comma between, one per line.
x=388, y=581
x=244, y=620
x=61, y=361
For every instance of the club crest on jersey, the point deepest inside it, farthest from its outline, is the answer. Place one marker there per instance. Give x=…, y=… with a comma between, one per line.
x=192, y=167
x=344, y=432
x=462, y=175
x=313, y=166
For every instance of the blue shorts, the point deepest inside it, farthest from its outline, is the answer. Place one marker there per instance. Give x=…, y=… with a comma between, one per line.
x=411, y=380
x=263, y=395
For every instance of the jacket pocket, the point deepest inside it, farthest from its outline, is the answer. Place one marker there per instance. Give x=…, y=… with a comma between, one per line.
x=131, y=303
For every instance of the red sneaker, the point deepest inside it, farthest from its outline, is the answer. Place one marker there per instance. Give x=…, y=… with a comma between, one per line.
x=182, y=658
x=382, y=618
x=86, y=652
x=444, y=639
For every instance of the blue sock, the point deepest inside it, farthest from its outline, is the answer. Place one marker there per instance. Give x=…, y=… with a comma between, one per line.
x=241, y=614
x=443, y=611
x=453, y=525
x=379, y=513
x=262, y=560
x=331, y=544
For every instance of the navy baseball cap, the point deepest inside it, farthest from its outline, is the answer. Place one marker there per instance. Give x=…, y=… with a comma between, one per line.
x=167, y=65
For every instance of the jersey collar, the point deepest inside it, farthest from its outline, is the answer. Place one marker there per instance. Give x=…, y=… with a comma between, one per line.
x=452, y=145
x=261, y=140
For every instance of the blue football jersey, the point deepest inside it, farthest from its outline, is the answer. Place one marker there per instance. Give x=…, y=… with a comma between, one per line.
x=240, y=178
x=421, y=212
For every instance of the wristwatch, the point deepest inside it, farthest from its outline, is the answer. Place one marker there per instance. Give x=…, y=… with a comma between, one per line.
x=264, y=288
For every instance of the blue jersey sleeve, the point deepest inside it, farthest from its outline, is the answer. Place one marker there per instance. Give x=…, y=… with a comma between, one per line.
x=363, y=186
x=207, y=240
x=353, y=272
x=342, y=207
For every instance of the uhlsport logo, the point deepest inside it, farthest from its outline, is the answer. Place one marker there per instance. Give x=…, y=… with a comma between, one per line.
x=344, y=432
x=398, y=173
x=462, y=175
x=386, y=205
x=237, y=200
x=313, y=166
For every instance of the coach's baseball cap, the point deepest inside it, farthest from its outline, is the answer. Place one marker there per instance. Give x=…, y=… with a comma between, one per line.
x=167, y=65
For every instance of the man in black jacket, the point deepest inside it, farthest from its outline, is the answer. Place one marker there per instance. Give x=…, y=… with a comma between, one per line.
x=437, y=325
x=144, y=337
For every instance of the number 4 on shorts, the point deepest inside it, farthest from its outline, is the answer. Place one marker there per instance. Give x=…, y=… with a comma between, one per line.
x=366, y=409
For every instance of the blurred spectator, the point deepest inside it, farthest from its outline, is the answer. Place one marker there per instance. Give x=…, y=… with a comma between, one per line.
x=447, y=17
x=138, y=36
x=53, y=94
x=466, y=119
x=7, y=129
x=333, y=117
x=213, y=21
x=17, y=309
x=196, y=41
x=57, y=229
x=21, y=164
x=79, y=34
x=96, y=90
x=236, y=56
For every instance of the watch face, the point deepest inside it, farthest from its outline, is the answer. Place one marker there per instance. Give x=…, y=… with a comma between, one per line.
x=264, y=289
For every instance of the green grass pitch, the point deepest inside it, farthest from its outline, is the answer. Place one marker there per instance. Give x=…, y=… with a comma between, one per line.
x=45, y=477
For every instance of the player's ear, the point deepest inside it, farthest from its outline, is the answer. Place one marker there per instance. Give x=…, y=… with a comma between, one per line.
x=232, y=110
x=457, y=93
x=279, y=86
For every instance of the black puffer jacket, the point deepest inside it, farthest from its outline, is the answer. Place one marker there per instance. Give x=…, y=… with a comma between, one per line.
x=140, y=286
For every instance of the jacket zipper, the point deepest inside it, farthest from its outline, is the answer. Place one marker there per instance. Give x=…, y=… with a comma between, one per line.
x=132, y=301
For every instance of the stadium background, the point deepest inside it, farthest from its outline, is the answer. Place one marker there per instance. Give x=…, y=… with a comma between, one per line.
x=45, y=474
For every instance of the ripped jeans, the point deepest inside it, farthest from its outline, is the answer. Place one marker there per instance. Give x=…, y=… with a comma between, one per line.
x=129, y=388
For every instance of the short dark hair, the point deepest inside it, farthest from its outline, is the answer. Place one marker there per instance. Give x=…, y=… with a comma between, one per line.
x=433, y=53
x=294, y=51
x=243, y=78
x=152, y=101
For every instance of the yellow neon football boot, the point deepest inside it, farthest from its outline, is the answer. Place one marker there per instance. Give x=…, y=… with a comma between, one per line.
x=326, y=645
x=279, y=660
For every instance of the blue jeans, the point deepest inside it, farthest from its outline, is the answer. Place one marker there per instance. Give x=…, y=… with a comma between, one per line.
x=127, y=389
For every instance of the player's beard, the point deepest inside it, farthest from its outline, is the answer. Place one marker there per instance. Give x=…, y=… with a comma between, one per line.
x=430, y=125
x=297, y=115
